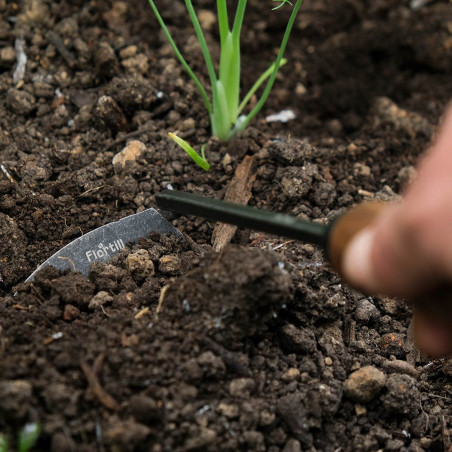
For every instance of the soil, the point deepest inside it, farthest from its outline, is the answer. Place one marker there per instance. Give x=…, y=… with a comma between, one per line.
x=258, y=347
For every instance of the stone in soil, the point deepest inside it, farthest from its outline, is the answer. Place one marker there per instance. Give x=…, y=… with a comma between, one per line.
x=364, y=384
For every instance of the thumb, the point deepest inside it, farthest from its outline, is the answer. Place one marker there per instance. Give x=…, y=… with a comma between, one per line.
x=433, y=334
x=357, y=265
x=386, y=258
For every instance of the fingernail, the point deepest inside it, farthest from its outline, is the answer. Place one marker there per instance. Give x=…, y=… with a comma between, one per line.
x=357, y=265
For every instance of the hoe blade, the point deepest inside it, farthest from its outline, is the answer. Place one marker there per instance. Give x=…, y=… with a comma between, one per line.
x=101, y=244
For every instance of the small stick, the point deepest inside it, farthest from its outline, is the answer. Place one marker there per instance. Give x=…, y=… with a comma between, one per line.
x=69, y=260
x=90, y=190
x=239, y=191
x=94, y=385
x=6, y=173
x=21, y=66
x=161, y=299
x=141, y=313
x=56, y=40
x=277, y=247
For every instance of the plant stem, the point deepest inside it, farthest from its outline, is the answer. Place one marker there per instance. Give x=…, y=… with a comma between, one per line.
x=257, y=84
x=277, y=63
x=229, y=69
x=181, y=59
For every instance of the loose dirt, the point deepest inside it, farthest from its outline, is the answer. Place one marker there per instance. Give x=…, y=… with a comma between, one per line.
x=171, y=346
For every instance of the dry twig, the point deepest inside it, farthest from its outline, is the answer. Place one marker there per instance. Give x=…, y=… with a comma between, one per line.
x=95, y=387
x=239, y=191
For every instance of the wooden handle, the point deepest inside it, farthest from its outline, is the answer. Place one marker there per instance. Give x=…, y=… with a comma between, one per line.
x=347, y=226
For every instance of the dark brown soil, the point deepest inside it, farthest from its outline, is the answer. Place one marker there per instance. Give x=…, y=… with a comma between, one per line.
x=255, y=348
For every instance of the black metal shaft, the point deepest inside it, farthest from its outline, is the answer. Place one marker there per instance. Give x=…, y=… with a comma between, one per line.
x=243, y=216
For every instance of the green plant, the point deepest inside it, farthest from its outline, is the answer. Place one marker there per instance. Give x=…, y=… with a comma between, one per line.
x=3, y=443
x=225, y=107
x=26, y=438
x=200, y=160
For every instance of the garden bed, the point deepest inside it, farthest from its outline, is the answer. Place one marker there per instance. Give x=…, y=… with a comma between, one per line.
x=255, y=347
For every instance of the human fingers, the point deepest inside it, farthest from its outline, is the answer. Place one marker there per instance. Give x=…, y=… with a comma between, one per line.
x=433, y=335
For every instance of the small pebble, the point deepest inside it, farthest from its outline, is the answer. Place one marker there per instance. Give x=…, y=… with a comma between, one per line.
x=241, y=387
x=35, y=11
x=128, y=52
x=366, y=311
x=136, y=64
x=292, y=445
x=207, y=19
x=228, y=410
x=301, y=340
x=390, y=306
x=300, y=89
x=99, y=300
x=125, y=435
x=145, y=409
x=227, y=160
x=364, y=384
x=7, y=55
x=140, y=264
x=20, y=102
x=105, y=60
x=266, y=418
x=109, y=115
x=392, y=344
x=169, y=264
x=187, y=124
x=291, y=374
x=70, y=313
x=130, y=153
x=406, y=176
x=360, y=169
x=394, y=445
x=360, y=410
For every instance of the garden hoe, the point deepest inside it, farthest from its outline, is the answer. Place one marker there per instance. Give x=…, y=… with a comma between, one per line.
x=101, y=244
x=332, y=237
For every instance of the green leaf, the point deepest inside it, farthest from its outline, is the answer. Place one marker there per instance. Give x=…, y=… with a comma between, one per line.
x=3, y=443
x=28, y=436
x=180, y=57
x=198, y=159
x=277, y=64
x=282, y=2
x=258, y=83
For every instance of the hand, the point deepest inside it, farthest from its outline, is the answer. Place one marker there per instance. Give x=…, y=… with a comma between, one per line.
x=408, y=251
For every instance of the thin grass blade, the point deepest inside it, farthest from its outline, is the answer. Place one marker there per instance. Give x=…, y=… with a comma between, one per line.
x=198, y=159
x=258, y=83
x=181, y=59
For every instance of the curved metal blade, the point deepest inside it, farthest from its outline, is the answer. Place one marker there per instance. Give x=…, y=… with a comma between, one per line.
x=103, y=243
